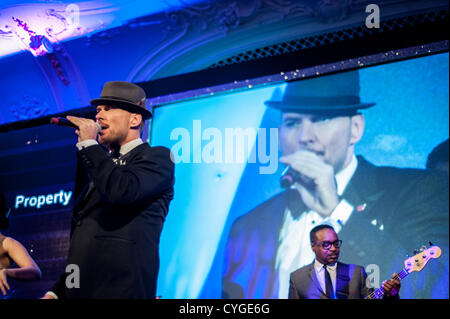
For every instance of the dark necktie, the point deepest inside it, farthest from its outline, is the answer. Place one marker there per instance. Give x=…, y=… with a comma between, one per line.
x=328, y=285
x=115, y=156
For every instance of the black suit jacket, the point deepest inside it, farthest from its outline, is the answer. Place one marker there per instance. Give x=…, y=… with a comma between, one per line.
x=395, y=211
x=117, y=223
x=350, y=283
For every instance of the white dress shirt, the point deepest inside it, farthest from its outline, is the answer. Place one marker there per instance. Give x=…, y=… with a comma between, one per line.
x=320, y=274
x=294, y=248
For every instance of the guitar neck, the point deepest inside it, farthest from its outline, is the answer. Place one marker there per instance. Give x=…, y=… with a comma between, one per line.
x=378, y=294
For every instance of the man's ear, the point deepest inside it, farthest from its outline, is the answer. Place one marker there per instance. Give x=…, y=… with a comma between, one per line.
x=357, y=128
x=135, y=120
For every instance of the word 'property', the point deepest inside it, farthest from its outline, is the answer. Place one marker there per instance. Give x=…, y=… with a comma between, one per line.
x=62, y=197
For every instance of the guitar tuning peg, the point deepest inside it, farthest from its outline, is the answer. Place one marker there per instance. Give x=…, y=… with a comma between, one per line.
x=423, y=248
x=431, y=244
x=415, y=252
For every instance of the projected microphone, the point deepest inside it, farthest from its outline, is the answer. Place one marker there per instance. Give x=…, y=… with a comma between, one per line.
x=61, y=121
x=288, y=177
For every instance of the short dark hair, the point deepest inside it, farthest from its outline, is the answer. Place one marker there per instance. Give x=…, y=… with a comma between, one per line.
x=312, y=234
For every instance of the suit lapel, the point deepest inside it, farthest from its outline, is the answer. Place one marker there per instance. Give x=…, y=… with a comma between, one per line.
x=363, y=189
x=342, y=281
x=83, y=204
x=313, y=278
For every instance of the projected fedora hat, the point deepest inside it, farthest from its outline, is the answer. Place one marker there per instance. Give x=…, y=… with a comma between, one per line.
x=125, y=95
x=329, y=93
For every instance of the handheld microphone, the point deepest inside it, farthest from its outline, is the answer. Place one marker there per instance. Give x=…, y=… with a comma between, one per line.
x=61, y=121
x=288, y=177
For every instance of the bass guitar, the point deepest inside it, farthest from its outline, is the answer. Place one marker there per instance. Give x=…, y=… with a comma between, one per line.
x=415, y=263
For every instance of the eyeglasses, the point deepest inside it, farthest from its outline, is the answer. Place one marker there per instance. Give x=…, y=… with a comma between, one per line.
x=327, y=244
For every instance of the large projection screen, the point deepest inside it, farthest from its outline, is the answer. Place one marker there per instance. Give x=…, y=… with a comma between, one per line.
x=227, y=163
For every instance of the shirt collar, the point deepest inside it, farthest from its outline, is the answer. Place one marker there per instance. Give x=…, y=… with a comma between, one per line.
x=125, y=148
x=344, y=176
x=318, y=266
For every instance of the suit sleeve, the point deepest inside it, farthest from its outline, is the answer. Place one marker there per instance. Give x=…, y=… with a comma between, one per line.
x=424, y=210
x=58, y=287
x=293, y=293
x=365, y=290
x=423, y=217
x=148, y=174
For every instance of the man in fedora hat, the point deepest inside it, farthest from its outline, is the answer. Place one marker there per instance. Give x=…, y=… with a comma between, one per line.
x=118, y=218
x=380, y=213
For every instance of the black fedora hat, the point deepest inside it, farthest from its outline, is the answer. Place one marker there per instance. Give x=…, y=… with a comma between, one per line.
x=125, y=95
x=330, y=93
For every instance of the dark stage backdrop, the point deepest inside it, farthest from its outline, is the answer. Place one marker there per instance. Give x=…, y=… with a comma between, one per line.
x=37, y=171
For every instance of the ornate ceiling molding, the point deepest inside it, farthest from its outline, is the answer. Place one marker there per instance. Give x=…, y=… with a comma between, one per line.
x=202, y=35
x=193, y=28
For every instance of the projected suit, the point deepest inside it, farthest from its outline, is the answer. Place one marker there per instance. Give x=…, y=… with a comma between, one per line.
x=392, y=210
x=118, y=218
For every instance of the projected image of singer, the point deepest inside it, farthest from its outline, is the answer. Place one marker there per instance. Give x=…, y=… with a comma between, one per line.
x=118, y=218
x=381, y=213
